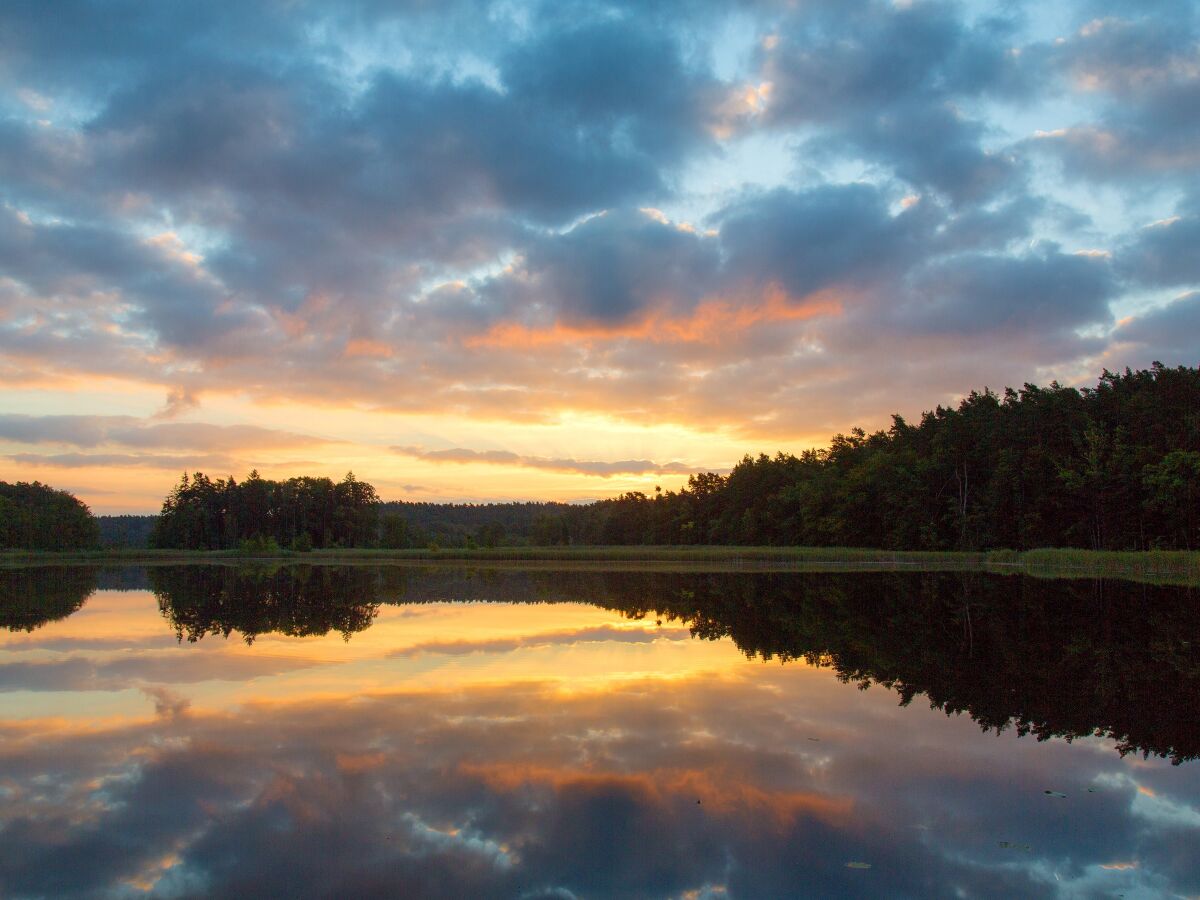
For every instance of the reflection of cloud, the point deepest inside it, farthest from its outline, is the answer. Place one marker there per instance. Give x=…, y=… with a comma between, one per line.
x=578, y=636
x=66, y=644
x=167, y=703
x=656, y=789
x=80, y=674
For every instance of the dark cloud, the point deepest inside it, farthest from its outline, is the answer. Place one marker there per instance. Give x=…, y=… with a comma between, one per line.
x=616, y=76
x=835, y=235
x=833, y=61
x=86, y=262
x=166, y=702
x=1042, y=292
x=179, y=400
x=930, y=146
x=609, y=269
x=1165, y=254
x=884, y=81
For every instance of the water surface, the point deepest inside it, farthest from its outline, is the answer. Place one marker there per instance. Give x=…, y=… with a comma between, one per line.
x=325, y=731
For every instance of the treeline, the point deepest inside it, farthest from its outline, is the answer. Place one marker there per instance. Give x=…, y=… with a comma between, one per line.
x=125, y=531
x=259, y=514
x=406, y=524
x=1116, y=467
x=34, y=516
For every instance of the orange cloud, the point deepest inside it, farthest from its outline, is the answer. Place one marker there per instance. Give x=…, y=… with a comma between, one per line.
x=364, y=347
x=709, y=323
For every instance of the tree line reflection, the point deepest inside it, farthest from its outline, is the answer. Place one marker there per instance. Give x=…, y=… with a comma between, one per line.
x=1048, y=658
x=31, y=597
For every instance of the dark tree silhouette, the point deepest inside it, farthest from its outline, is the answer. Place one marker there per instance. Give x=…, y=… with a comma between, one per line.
x=34, y=516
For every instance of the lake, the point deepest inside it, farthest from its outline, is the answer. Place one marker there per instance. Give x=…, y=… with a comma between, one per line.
x=324, y=731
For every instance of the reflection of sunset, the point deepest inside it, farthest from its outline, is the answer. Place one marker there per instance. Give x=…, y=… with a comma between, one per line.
x=497, y=748
x=405, y=647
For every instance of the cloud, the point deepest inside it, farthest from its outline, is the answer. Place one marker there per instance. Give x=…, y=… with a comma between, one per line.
x=1141, y=68
x=833, y=235
x=886, y=82
x=609, y=269
x=125, y=461
x=179, y=400
x=583, y=467
x=1041, y=292
x=1164, y=253
x=129, y=431
x=1172, y=330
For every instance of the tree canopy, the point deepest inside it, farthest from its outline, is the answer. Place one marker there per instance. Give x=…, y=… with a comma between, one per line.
x=35, y=516
x=301, y=513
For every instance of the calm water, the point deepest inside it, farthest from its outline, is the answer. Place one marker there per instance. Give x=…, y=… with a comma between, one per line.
x=358, y=732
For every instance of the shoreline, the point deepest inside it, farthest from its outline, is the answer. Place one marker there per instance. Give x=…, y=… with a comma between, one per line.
x=1173, y=566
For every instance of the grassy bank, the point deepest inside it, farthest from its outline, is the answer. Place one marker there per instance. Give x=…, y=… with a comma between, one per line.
x=1166, y=566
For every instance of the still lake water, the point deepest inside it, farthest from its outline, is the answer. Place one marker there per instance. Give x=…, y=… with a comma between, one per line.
x=207, y=731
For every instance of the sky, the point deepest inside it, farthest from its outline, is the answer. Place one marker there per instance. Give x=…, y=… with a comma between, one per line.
x=561, y=250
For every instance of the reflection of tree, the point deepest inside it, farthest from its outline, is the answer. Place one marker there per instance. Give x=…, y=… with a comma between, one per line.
x=299, y=601
x=31, y=597
x=1048, y=658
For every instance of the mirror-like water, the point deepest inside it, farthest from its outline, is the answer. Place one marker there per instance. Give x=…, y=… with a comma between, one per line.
x=361, y=732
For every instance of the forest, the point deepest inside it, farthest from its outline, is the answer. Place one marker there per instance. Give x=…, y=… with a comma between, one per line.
x=34, y=516
x=1115, y=467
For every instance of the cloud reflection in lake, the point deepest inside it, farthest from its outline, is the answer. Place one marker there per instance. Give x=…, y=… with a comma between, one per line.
x=514, y=761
